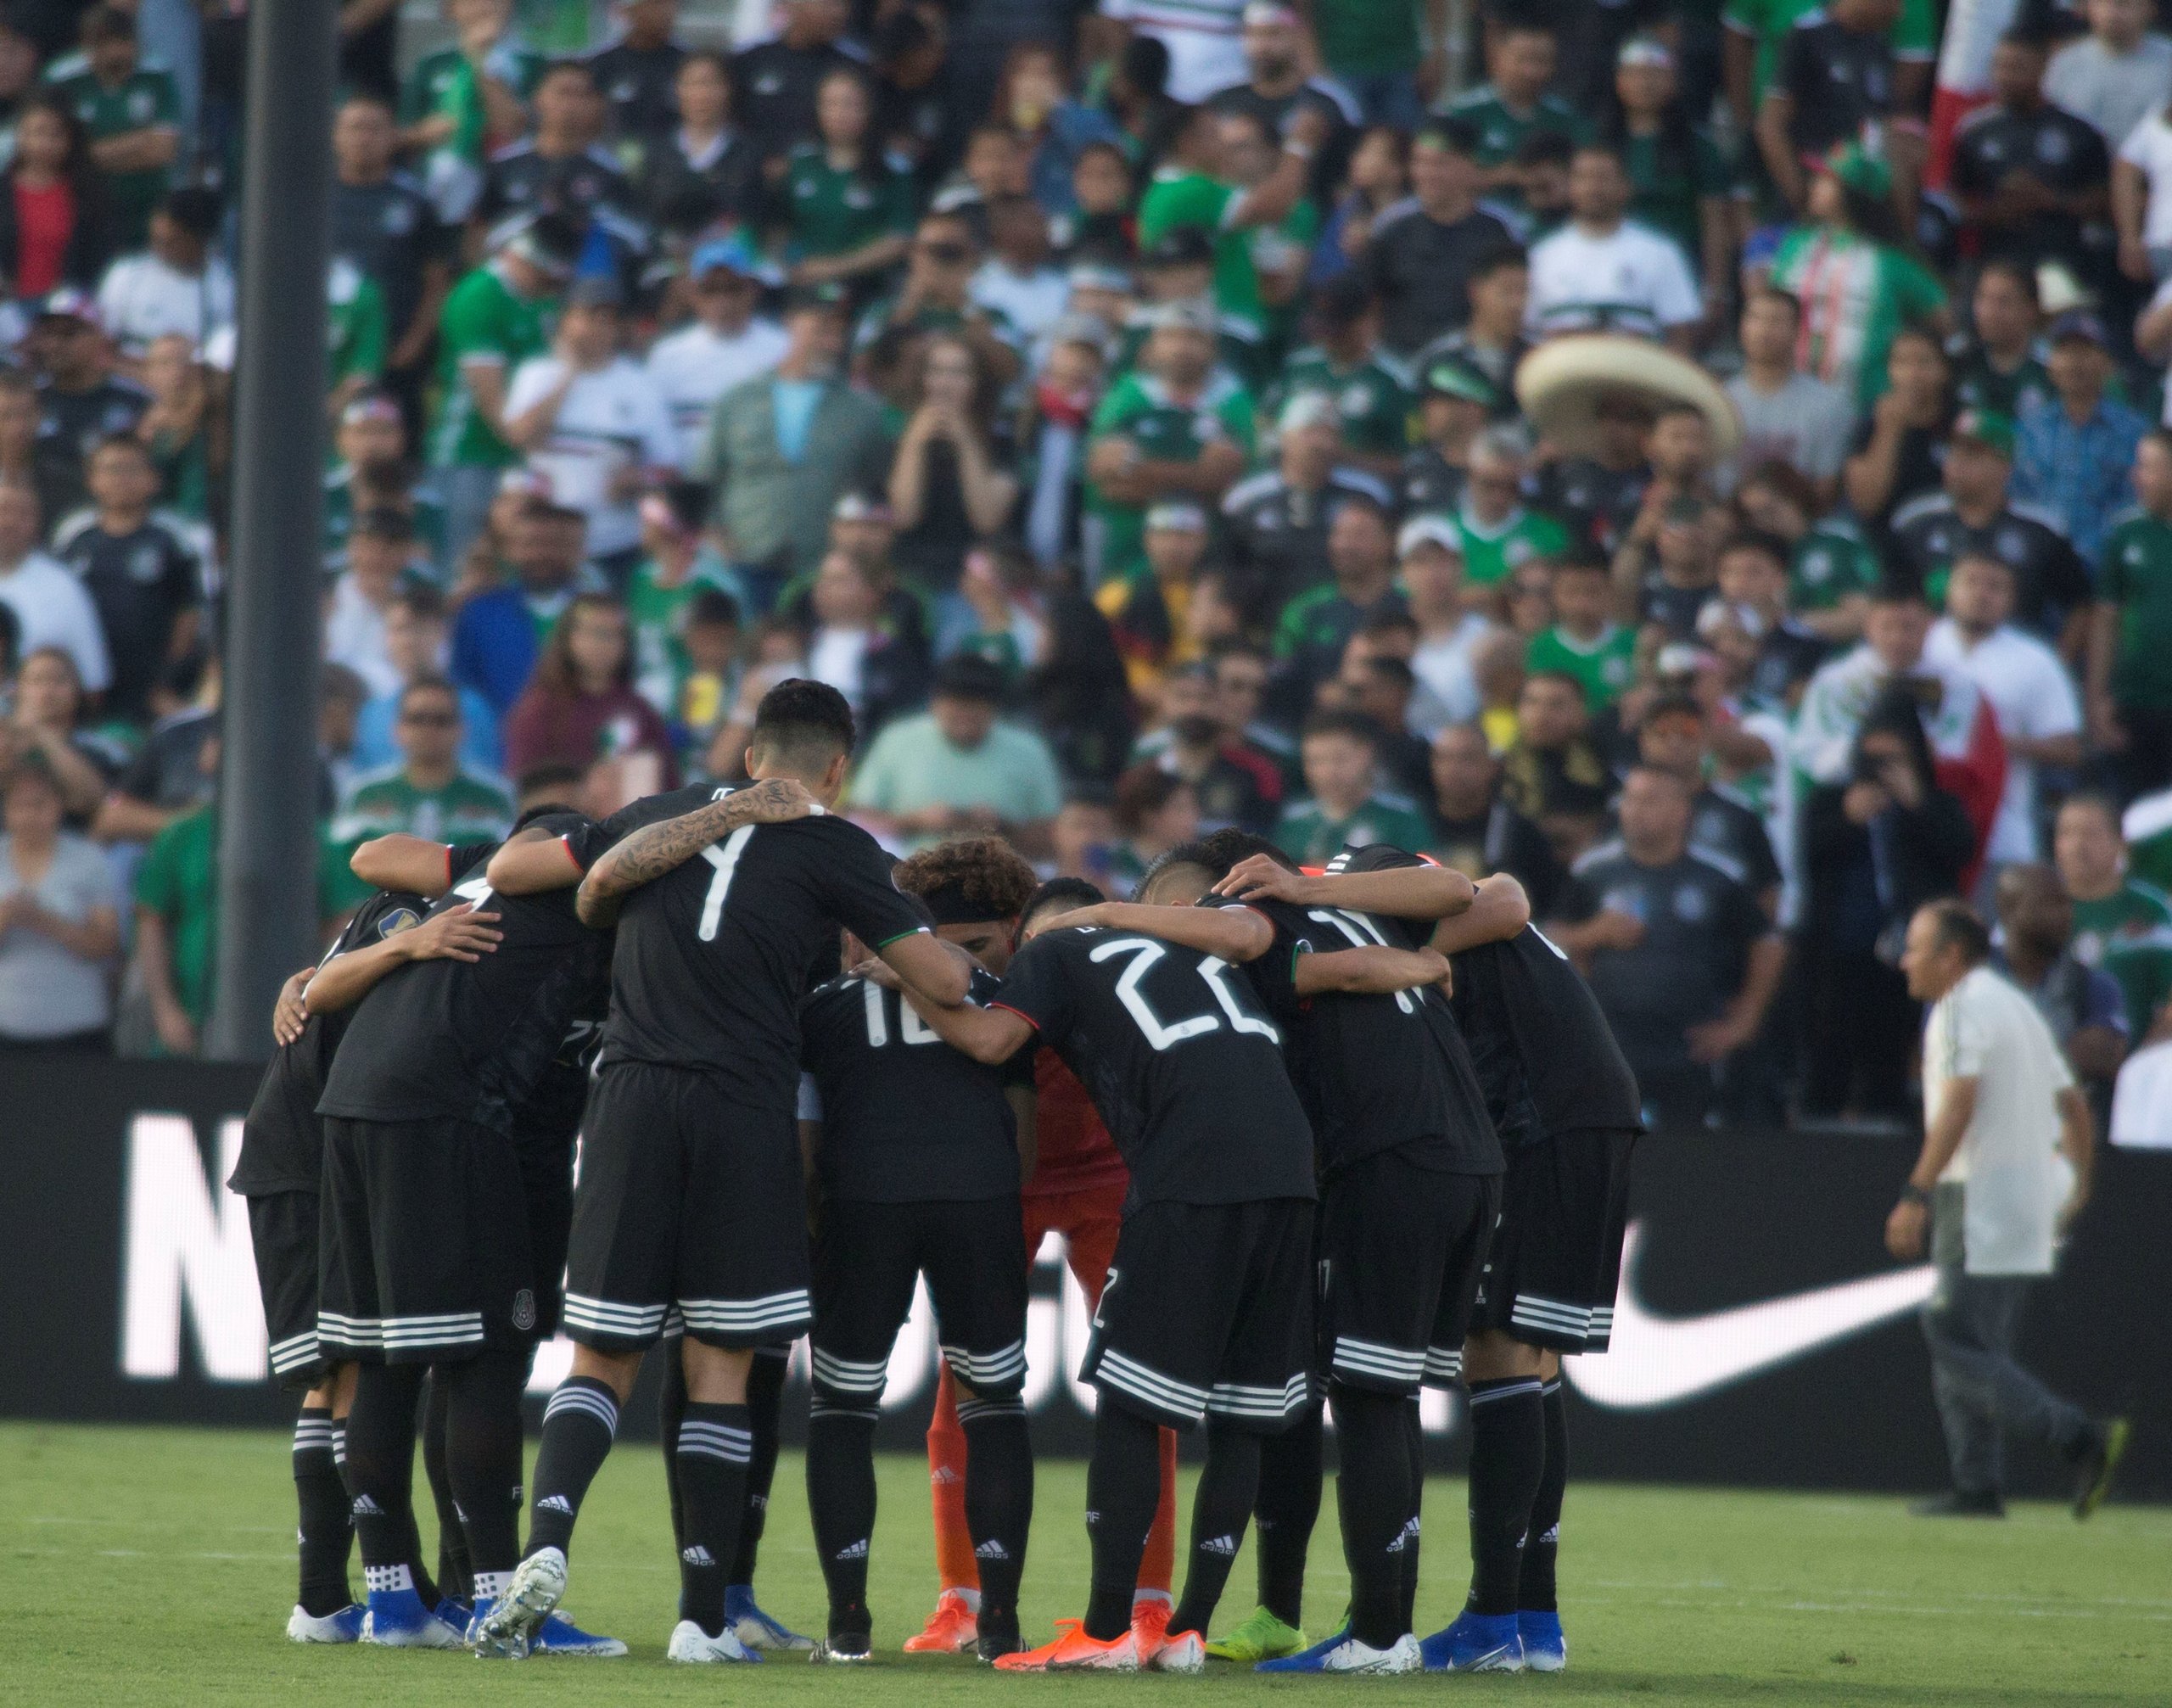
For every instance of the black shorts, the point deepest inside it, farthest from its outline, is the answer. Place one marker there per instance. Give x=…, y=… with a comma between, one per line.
x=867, y=1257
x=547, y=1183
x=425, y=1246
x=1208, y=1309
x=283, y=1231
x=691, y=1211
x=1556, y=1263
x=1400, y=1250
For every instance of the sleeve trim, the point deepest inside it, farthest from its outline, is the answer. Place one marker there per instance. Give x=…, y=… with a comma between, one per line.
x=917, y=931
x=1020, y=1012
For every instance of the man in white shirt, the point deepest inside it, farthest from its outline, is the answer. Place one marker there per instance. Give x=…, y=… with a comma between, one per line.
x=1206, y=47
x=725, y=343
x=594, y=424
x=2039, y=713
x=51, y=606
x=2004, y=1168
x=1430, y=551
x=178, y=284
x=1604, y=273
x=2115, y=73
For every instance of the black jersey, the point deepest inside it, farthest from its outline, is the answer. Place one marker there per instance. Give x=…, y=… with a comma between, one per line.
x=1429, y=482
x=905, y=1118
x=1542, y=1050
x=773, y=85
x=2051, y=582
x=1185, y=1069
x=283, y=1141
x=640, y=84
x=1375, y=1072
x=142, y=582
x=1595, y=503
x=2061, y=152
x=1419, y=269
x=1840, y=81
x=519, y=179
x=472, y=1040
x=713, y=957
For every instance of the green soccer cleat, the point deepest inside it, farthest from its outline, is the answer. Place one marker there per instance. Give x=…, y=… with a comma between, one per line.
x=1263, y=1637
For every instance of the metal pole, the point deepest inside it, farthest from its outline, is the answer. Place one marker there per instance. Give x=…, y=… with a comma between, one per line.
x=268, y=774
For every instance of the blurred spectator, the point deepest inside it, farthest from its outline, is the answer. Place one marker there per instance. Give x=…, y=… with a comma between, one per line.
x=1378, y=685
x=426, y=793
x=725, y=342
x=498, y=634
x=1522, y=57
x=1155, y=810
x=1997, y=368
x=677, y=565
x=1343, y=806
x=593, y=423
x=1201, y=738
x=174, y=767
x=176, y=284
x=1680, y=181
x=1753, y=585
x=380, y=563
x=1016, y=288
x=1553, y=774
x=1314, y=626
x=372, y=473
x=1431, y=550
x=1584, y=641
x=1647, y=289
x=698, y=171
x=51, y=606
x=2030, y=179
x=881, y=673
x=1597, y=496
x=2141, y=196
x=561, y=165
x=2077, y=450
x=144, y=577
x=1664, y=571
x=580, y=705
x=1830, y=87
x=2130, y=680
x=1222, y=179
x=464, y=98
x=2039, y=713
x=1475, y=830
x=59, y=923
x=179, y=428
x=48, y=726
x=1672, y=738
x=2083, y=1006
x=1150, y=609
x=1786, y=416
x=82, y=401
x=2147, y=825
x=1499, y=534
x=2123, y=926
x=54, y=229
x=775, y=81
x=1205, y=49
x=950, y=482
x=848, y=211
x=1278, y=520
x=1032, y=99
x=383, y=223
x=958, y=767
x=131, y=113
x=1425, y=252
x=1878, y=842
x=415, y=645
x=1830, y=569
x=1454, y=403
x=638, y=70
x=2115, y=73
x=492, y=321
x=1680, y=955
x=1371, y=411
x=782, y=447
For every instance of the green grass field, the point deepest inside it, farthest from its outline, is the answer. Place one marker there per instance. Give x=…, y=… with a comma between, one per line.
x=155, y=1567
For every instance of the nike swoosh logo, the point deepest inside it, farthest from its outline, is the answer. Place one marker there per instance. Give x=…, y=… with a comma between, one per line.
x=1658, y=1361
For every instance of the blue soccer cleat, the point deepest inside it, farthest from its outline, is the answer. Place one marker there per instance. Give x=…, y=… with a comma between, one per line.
x=1343, y=1653
x=343, y=1627
x=746, y=1622
x=1475, y=1642
x=398, y=1620
x=1545, y=1648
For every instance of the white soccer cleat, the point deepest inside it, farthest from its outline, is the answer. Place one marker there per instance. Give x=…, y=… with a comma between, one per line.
x=694, y=1646
x=510, y=1627
x=1350, y=1655
x=343, y=1627
x=1184, y=1653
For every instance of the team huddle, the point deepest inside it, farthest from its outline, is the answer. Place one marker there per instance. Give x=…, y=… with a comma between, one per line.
x=1310, y=1139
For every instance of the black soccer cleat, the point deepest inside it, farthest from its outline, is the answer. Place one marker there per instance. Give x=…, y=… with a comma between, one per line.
x=999, y=1637
x=1983, y=1503
x=843, y=1648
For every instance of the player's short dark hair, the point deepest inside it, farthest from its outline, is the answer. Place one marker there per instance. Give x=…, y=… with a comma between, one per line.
x=801, y=718
x=1231, y=847
x=1493, y=258
x=1356, y=726
x=1959, y=928
x=983, y=875
x=1192, y=856
x=1450, y=134
x=554, y=775
x=1754, y=539
x=2022, y=276
x=1065, y=893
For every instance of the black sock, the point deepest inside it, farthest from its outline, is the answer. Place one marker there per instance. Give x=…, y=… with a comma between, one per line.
x=1289, y=1481
x=1123, y=1485
x=1535, y=1593
x=670, y=1409
x=1373, y=1493
x=765, y=1400
x=1229, y=1485
x=483, y=1461
x=1508, y=1447
x=409, y=1545
x=381, y=1471
x=1414, y=1436
x=577, y=1427
x=841, y=1501
x=998, y=1502
x=456, y=1574
x=714, y=1448
x=327, y=1529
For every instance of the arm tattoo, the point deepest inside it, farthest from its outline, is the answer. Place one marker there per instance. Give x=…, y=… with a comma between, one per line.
x=650, y=852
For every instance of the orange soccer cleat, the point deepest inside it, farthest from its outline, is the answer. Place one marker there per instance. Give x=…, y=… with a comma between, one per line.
x=1149, y=1625
x=951, y=1629
x=1074, y=1651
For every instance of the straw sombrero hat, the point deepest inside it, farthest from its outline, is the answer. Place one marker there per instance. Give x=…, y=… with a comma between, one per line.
x=1560, y=385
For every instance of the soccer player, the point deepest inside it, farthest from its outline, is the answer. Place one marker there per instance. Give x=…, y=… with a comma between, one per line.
x=429, y=1255
x=690, y=1198
x=915, y=1153
x=1206, y=1314
x=1567, y=1109
x=279, y=1172
x=1075, y=1186
x=1410, y=1186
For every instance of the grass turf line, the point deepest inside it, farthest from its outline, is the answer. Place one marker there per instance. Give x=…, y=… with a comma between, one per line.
x=152, y=1566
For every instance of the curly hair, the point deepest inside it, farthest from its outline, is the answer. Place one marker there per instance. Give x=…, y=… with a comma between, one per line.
x=986, y=870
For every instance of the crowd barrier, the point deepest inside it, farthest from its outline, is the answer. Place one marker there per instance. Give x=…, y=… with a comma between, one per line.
x=1762, y=1337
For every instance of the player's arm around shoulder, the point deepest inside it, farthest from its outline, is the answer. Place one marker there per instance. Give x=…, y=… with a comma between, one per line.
x=404, y=862
x=1499, y=909
x=655, y=849
x=1234, y=934
x=1413, y=891
x=1377, y=970
x=533, y=861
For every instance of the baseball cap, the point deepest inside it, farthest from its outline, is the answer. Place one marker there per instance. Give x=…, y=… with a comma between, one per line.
x=1193, y=315
x=858, y=506
x=829, y=294
x=1450, y=378
x=2080, y=324
x=1858, y=169
x=1098, y=276
x=1176, y=514
x=731, y=254
x=369, y=407
x=1987, y=428
x=1308, y=409
x=69, y=304
x=1428, y=530
x=1644, y=50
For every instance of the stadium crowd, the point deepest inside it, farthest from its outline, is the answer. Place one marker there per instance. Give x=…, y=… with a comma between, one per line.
x=1119, y=406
